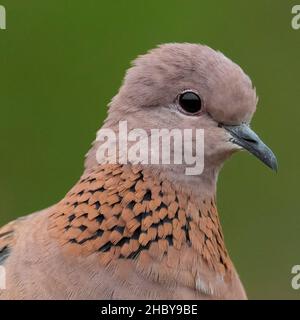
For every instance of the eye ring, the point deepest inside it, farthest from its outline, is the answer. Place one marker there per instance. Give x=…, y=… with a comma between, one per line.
x=190, y=103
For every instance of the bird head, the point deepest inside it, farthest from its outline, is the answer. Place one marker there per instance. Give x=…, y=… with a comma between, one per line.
x=192, y=86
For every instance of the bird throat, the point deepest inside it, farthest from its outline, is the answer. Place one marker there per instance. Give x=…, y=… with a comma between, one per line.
x=122, y=212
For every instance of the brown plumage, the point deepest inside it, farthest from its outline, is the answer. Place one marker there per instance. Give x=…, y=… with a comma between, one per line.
x=152, y=227
x=80, y=220
x=143, y=231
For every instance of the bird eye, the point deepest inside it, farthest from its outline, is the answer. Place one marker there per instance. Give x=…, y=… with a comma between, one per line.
x=190, y=102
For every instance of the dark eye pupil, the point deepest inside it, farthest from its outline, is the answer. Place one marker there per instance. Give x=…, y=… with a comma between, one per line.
x=190, y=102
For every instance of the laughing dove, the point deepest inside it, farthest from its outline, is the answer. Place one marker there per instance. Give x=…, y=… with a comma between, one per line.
x=144, y=231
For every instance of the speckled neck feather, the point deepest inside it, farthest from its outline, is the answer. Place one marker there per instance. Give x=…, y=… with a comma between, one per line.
x=122, y=212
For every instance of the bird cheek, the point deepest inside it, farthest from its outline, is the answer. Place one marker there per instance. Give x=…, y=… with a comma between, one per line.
x=218, y=146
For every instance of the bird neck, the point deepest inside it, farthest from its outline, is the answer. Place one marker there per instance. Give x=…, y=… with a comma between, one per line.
x=128, y=213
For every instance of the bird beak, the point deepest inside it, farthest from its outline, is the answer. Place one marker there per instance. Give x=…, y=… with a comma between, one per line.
x=243, y=136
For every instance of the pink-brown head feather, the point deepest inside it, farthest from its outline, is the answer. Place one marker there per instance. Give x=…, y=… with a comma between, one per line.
x=148, y=98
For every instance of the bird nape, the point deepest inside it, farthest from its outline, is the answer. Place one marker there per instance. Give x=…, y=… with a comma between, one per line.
x=136, y=230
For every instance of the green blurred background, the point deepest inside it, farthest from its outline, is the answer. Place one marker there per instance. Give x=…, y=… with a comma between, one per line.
x=62, y=61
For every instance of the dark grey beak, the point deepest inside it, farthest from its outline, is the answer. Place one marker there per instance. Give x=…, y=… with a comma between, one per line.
x=249, y=140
